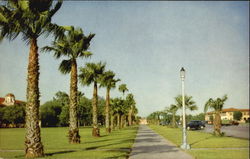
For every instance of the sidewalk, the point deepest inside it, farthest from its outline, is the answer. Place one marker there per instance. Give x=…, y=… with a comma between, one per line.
x=149, y=145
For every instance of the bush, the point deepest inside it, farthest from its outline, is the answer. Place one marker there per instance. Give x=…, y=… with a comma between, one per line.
x=50, y=112
x=237, y=115
x=12, y=116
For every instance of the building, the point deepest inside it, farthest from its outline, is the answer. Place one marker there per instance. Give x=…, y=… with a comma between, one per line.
x=9, y=100
x=227, y=114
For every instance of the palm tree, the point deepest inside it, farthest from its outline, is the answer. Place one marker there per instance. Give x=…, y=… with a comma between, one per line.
x=108, y=81
x=173, y=109
x=217, y=105
x=74, y=44
x=123, y=88
x=131, y=105
x=30, y=18
x=189, y=104
x=92, y=73
x=117, y=110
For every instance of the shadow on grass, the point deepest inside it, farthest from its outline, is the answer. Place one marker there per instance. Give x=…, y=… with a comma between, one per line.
x=97, y=148
x=200, y=140
x=111, y=144
x=60, y=152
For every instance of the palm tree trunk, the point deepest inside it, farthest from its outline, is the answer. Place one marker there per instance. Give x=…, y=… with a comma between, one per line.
x=217, y=124
x=95, y=131
x=173, y=121
x=122, y=121
x=33, y=144
x=74, y=136
x=108, y=130
x=118, y=120
x=130, y=117
x=112, y=122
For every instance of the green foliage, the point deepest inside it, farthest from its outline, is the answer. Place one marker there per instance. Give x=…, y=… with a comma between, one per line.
x=226, y=121
x=56, y=112
x=72, y=44
x=200, y=116
x=237, y=115
x=14, y=114
x=91, y=73
x=108, y=80
x=30, y=18
x=123, y=88
x=215, y=104
x=50, y=112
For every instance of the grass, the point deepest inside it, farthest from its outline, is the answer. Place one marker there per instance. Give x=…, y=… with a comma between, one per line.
x=115, y=145
x=205, y=145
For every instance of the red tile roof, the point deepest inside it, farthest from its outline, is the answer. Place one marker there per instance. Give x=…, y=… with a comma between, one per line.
x=1, y=101
x=231, y=110
x=16, y=101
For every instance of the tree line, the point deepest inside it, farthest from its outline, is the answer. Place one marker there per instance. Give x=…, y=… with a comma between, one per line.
x=32, y=19
x=55, y=112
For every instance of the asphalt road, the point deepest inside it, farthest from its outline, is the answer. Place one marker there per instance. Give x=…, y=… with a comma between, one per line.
x=241, y=131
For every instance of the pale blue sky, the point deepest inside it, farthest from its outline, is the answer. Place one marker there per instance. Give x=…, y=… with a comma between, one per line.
x=146, y=43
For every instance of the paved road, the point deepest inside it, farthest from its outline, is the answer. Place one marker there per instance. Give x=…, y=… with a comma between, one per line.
x=241, y=131
x=149, y=145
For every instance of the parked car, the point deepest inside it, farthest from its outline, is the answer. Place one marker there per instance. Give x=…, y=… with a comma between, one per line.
x=195, y=124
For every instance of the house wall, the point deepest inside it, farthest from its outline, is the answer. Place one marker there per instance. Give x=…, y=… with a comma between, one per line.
x=229, y=116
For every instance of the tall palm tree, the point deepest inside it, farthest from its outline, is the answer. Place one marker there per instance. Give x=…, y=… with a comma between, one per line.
x=30, y=18
x=92, y=73
x=74, y=44
x=108, y=81
x=217, y=106
x=123, y=88
x=189, y=104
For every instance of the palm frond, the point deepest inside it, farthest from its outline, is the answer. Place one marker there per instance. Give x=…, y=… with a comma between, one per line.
x=65, y=66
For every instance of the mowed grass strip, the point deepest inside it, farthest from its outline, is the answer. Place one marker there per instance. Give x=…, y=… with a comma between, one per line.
x=205, y=140
x=55, y=141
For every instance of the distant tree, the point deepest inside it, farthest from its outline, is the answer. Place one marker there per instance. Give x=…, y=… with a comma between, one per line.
x=108, y=81
x=123, y=88
x=237, y=115
x=216, y=105
x=130, y=102
x=50, y=112
x=116, y=111
x=200, y=116
x=14, y=115
x=189, y=104
x=173, y=109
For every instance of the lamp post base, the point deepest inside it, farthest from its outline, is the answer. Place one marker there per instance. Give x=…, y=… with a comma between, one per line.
x=185, y=146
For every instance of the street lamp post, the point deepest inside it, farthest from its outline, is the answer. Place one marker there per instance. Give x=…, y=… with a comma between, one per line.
x=184, y=132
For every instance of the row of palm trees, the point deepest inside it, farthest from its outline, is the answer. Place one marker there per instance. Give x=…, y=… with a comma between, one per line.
x=32, y=19
x=215, y=104
x=172, y=109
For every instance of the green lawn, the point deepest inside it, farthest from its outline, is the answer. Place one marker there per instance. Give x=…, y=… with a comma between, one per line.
x=115, y=145
x=205, y=145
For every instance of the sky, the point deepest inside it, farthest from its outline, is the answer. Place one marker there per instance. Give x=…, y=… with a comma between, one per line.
x=146, y=43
